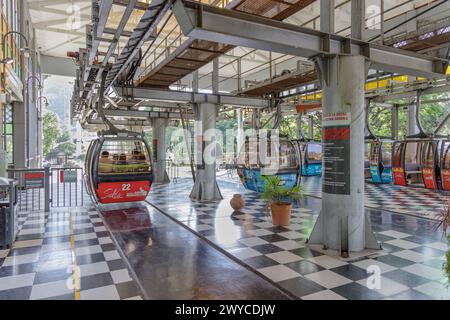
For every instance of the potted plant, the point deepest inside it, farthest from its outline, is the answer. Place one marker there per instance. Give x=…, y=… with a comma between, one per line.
x=444, y=222
x=279, y=199
x=447, y=261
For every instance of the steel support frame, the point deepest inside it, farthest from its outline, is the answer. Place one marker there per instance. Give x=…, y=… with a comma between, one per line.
x=193, y=97
x=148, y=22
x=327, y=15
x=145, y=114
x=100, y=18
x=240, y=29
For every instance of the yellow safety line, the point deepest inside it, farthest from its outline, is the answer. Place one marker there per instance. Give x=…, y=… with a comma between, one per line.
x=75, y=275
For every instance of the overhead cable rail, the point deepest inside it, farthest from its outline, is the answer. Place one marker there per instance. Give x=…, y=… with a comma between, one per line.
x=91, y=67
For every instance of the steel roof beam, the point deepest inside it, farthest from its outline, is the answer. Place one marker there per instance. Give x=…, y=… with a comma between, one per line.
x=100, y=16
x=241, y=29
x=191, y=97
x=113, y=31
x=145, y=114
x=139, y=5
x=123, y=22
x=143, y=31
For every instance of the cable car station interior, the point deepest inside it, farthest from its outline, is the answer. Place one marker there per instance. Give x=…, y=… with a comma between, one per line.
x=225, y=149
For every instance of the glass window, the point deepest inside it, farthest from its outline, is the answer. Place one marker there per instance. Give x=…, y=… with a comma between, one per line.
x=412, y=153
x=397, y=161
x=386, y=153
x=446, y=155
x=123, y=157
x=374, y=150
x=429, y=154
x=251, y=152
x=314, y=152
x=8, y=131
x=288, y=156
x=366, y=155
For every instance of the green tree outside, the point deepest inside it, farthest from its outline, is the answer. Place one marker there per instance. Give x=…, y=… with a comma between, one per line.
x=51, y=131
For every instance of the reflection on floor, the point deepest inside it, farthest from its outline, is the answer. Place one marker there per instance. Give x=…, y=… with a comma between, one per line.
x=66, y=254
x=410, y=264
x=169, y=262
x=405, y=200
x=230, y=256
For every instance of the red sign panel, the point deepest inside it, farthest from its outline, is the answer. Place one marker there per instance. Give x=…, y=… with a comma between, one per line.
x=34, y=175
x=399, y=176
x=429, y=178
x=129, y=191
x=336, y=133
x=446, y=179
x=34, y=179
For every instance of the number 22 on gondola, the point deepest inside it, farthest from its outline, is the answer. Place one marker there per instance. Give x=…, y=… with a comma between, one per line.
x=111, y=192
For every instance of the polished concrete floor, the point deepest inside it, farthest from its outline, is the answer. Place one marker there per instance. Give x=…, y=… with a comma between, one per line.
x=169, y=262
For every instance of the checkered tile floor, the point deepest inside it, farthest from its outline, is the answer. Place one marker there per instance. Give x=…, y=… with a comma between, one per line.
x=410, y=264
x=42, y=261
x=405, y=200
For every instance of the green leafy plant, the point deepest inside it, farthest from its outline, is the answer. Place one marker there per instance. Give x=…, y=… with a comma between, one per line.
x=447, y=261
x=275, y=192
x=444, y=217
x=444, y=222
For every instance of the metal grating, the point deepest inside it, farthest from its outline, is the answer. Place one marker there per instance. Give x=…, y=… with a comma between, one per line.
x=281, y=83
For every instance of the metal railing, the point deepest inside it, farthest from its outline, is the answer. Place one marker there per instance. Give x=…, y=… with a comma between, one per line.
x=173, y=171
x=67, y=188
x=43, y=188
x=9, y=223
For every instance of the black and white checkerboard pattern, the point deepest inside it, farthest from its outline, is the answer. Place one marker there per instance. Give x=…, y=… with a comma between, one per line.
x=410, y=264
x=404, y=200
x=41, y=263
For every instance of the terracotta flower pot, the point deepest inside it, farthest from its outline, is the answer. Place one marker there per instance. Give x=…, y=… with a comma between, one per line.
x=281, y=213
x=237, y=202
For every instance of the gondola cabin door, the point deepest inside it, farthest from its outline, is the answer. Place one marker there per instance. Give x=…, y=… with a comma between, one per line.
x=375, y=172
x=398, y=169
x=429, y=173
x=445, y=165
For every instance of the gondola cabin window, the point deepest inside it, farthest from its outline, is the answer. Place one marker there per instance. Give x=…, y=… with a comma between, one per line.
x=288, y=156
x=123, y=157
x=386, y=154
x=412, y=162
x=446, y=155
x=314, y=153
x=429, y=160
x=397, y=161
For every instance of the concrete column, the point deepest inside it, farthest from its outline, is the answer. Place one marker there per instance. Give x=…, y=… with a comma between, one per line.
x=311, y=127
x=159, y=145
x=240, y=131
x=298, y=123
x=394, y=122
x=342, y=224
x=39, y=139
x=205, y=187
x=20, y=135
x=256, y=119
x=195, y=81
x=215, y=76
x=412, y=120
